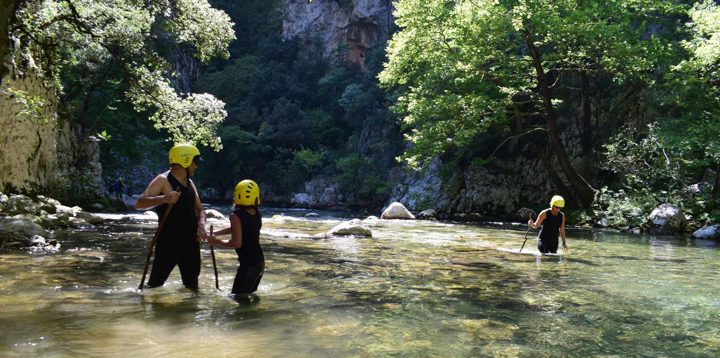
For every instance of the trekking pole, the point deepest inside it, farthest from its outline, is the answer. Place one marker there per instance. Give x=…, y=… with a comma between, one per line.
x=526, y=233
x=151, y=247
x=212, y=254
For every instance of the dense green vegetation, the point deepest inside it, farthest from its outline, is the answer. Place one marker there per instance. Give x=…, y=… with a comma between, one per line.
x=294, y=115
x=465, y=70
x=620, y=100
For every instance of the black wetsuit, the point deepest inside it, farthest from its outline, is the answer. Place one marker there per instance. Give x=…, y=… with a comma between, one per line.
x=548, y=237
x=177, y=244
x=250, y=254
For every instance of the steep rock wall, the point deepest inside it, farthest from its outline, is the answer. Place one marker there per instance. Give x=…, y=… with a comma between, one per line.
x=355, y=25
x=40, y=150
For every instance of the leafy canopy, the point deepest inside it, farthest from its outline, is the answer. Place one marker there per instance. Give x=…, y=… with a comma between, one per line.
x=462, y=67
x=67, y=36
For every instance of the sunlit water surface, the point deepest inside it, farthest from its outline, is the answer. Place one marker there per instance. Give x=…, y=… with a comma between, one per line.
x=416, y=288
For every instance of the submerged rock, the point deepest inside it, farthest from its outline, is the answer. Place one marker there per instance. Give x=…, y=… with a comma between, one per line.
x=352, y=227
x=396, y=211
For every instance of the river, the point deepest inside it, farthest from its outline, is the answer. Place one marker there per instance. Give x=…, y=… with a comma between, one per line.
x=416, y=289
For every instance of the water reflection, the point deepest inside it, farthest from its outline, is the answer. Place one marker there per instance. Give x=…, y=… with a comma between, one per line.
x=414, y=289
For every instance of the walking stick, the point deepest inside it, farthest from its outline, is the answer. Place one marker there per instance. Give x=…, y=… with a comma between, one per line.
x=526, y=233
x=151, y=247
x=212, y=254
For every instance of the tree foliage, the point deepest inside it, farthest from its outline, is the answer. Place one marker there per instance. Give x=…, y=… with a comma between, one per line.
x=122, y=46
x=462, y=68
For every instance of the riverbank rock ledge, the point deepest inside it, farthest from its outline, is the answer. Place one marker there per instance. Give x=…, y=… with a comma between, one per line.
x=396, y=211
x=428, y=214
x=352, y=227
x=666, y=219
x=24, y=221
x=708, y=232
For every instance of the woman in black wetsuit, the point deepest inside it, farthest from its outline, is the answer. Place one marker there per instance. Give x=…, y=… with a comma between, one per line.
x=245, y=225
x=553, y=223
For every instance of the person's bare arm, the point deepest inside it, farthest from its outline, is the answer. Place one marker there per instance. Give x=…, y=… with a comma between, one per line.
x=157, y=193
x=235, y=241
x=562, y=235
x=201, y=231
x=538, y=221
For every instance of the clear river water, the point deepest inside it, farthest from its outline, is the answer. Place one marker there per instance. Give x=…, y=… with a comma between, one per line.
x=415, y=289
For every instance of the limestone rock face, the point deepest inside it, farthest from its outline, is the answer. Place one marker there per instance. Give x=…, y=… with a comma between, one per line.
x=40, y=149
x=356, y=24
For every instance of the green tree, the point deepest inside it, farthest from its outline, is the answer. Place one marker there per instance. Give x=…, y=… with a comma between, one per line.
x=123, y=45
x=463, y=67
x=691, y=128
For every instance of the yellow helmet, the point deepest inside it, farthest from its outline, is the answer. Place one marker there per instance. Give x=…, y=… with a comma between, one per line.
x=247, y=193
x=183, y=154
x=558, y=201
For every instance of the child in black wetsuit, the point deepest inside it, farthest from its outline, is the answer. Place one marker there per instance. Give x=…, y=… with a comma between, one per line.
x=245, y=225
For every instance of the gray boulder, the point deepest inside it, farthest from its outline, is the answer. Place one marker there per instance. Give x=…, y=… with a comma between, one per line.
x=48, y=204
x=708, y=232
x=666, y=219
x=428, y=214
x=396, y=211
x=3, y=202
x=21, y=204
x=352, y=227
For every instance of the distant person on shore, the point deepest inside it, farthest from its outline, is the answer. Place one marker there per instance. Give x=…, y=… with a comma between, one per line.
x=178, y=242
x=553, y=223
x=245, y=225
x=119, y=187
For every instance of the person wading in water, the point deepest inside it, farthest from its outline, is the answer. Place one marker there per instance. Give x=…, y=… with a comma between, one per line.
x=184, y=226
x=553, y=223
x=245, y=225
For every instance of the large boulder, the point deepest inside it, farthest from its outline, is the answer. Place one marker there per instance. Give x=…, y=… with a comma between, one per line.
x=708, y=232
x=3, y=201
x=19, y=231
x=352, y=227
x=396, y=211
x=21, y=204
x=666, y=219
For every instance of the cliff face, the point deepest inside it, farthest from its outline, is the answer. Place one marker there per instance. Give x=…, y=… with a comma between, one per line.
x=355, y=25
x=40, y=151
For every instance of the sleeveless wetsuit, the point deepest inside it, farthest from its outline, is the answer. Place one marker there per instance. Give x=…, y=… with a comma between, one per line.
x=547, y=241
x=177, y=243
x=250, y=254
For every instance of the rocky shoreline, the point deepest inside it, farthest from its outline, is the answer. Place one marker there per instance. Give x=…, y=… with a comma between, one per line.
x=27, y=223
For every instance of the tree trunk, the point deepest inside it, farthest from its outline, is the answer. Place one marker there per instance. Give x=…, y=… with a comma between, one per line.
x=554, y=177
x=586, y=131
x=716, y=185
x=578, y=183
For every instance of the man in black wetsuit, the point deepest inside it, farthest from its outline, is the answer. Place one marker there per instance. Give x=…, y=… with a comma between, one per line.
x=553, y=223
x=178, y=242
